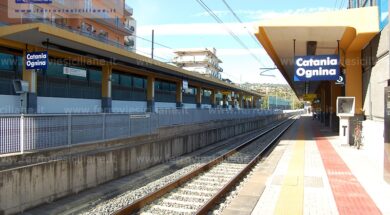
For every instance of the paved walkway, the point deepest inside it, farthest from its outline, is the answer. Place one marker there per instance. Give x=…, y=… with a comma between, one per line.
x=316, y=175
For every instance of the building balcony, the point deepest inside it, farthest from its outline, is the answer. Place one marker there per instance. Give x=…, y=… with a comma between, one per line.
x=203, y=63
x=116, y=24
x=91, y=33
x=128, y=10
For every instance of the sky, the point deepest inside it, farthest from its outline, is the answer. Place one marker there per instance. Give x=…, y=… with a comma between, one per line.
x=184, y=24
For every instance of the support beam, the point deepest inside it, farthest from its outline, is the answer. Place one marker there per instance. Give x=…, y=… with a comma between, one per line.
x=255, y=99
x=240, y=100
x=106, y=89
x=198, y=97
x=233, y=101
x=322, y=117
x=179, y=94
x=30, y=98
x=213, y=98
x=335, y=91
x=327, y=87
x=353, y=78
x=150, y=94
x=225, y=101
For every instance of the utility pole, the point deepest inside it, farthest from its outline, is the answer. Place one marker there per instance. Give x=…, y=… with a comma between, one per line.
x=153, y=44
x=268, y=101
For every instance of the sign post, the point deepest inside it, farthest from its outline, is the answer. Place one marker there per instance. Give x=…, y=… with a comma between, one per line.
x=345, y=110
x=387, y=136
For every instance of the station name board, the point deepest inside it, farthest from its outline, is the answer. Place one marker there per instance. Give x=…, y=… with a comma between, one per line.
x=37, y=60
x=317, y=68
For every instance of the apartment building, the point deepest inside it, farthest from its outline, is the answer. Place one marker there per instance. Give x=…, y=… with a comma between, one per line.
x=203, y=61
x=110, y=21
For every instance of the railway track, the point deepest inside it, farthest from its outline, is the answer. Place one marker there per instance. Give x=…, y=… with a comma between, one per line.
x=201, y=189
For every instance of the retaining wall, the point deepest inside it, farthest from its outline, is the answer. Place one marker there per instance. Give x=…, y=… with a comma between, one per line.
x=68, y=171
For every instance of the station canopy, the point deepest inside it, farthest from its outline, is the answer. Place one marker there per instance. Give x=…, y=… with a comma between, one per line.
x=353, y=28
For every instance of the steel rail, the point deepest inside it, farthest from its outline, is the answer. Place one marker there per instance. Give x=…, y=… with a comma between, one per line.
x=149, y=198
x=232, y=183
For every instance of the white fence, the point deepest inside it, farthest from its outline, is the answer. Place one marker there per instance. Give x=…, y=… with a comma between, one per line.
x=19, y=133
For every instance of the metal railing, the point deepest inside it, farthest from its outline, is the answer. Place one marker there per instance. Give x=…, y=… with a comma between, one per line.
x=31, y=18
x=20, y=133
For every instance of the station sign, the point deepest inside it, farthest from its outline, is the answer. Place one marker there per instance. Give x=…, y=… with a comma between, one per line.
x=37, y=60
x=316, y=68
x=75, y=72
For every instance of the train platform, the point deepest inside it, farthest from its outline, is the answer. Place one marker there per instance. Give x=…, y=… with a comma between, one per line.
x=310, y=172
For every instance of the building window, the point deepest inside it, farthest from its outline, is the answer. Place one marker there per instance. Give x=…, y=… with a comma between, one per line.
x=54, y=83
x=125, y=80
x=10, y=69
x=139, y=83
x=127, y=87
x=103, y=34
x=60, y=20
x=165, y=91
x=88, y=4
x=60, y=1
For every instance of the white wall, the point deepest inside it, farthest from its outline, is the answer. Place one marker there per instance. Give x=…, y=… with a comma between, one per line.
x=128, y=106
x=373, y=141
x=9, y=104
x=206, y=106
x=50, y=105
x=375, y=79
x=165, y=105
x=189, y=106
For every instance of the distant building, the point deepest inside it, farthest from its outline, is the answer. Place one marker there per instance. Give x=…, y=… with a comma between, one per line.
x=227, y=80
x=203, y=61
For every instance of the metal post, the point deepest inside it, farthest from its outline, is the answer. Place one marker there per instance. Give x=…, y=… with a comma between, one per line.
x=22, y=133
x=104, y=126
x=129, y=117
x=153, y=44
x=150, y=123
x=69, y=129
x=268, y=101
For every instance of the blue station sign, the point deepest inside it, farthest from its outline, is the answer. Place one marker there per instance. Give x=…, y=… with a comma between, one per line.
x=37, y=60
x=317, y=68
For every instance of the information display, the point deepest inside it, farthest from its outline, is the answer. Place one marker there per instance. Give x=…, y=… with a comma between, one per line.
x=345, y=106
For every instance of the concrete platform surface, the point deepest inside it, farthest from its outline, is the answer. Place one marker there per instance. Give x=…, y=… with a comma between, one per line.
x=315, y=174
